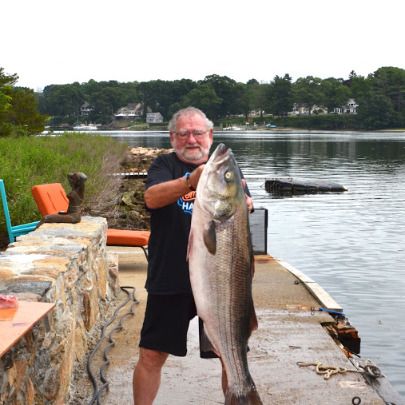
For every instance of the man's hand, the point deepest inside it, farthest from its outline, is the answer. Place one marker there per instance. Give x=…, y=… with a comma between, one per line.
x=195, y=176
x=249, y=200
x=249, y=203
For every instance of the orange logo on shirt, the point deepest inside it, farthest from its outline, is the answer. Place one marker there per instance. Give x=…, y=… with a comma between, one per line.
x=190, y=196
x=186, y=202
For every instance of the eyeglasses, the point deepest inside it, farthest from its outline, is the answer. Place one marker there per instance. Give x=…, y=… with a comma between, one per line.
x=197, y=133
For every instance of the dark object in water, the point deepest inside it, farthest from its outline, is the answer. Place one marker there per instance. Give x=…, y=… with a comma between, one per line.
x=294, y=186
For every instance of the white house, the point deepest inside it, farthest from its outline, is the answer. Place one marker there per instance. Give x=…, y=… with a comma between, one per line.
x=302, y=109
x=130, y=111
x=154, y=118
x=86, y=109
x=299, y=109
x=349, y=108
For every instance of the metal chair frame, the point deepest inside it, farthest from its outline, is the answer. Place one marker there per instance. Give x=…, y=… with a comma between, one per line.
x=13, y=230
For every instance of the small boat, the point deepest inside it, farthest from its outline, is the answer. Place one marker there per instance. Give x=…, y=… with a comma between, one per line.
x=85, y=127
x=297, y=186
x=233, y=128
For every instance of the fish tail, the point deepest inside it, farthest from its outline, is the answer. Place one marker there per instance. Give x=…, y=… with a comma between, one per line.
x=250, y=398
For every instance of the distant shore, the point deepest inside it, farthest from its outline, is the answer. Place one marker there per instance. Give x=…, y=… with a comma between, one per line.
x=221, y=129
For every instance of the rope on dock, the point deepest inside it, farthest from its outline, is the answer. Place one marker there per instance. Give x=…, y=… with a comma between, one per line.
x=369, y=369
x=97, y=391
x=326, y=371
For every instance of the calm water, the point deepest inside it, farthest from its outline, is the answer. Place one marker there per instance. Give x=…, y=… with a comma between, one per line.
x=351, y=243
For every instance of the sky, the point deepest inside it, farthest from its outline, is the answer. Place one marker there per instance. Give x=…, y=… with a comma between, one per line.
x=64, y=41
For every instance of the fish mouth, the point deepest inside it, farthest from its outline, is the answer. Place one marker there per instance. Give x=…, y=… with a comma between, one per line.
x=222, y=149
x=221, y=154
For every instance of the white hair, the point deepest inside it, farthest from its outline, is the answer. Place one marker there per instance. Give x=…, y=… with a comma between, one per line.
x=188, y=111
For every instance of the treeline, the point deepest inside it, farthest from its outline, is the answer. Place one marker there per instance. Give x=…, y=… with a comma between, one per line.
x=380, y=99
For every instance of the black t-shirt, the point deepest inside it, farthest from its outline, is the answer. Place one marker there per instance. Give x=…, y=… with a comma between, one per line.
x=170, y=227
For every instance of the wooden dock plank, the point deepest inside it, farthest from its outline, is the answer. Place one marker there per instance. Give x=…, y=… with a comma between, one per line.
x=314, y=288
x=15, y=323
x=287, y=337
x=288, y=332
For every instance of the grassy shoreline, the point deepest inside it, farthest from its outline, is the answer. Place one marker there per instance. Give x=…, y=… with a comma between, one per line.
x=26, y=161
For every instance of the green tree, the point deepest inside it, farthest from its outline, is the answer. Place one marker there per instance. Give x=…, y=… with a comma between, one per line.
x=178, y=90
x=150, y=95
x=334, y=92
x=6, y=84
x=129, y=93
x=359, y=86
x=280, y=97
x=376, y=111
x=24, y=111
x=18, y=108
x=307, y=91
x=63, y=101
x=256, y=95
x=228, y=91
x=107, y=97
x=170, y=93
x=205, y=98
x=390, y=82
x=249, y=97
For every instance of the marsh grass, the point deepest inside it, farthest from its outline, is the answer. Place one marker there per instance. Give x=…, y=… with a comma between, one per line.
x=26, y=161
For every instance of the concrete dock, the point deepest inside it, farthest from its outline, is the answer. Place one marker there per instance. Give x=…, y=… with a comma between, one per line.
x=290, y=331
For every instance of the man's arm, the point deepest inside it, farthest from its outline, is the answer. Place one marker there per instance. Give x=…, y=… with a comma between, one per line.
x=168, y=192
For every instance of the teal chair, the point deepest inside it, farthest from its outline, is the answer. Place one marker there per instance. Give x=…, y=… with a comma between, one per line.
x=16, y=230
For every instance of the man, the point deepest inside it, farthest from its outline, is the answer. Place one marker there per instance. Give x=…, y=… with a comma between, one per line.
x=170, y=192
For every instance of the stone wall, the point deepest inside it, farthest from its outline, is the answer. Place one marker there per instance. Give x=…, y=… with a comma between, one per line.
x=65, y=264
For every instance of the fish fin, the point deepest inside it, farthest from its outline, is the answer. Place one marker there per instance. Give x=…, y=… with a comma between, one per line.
x=206, y=347
x=253, y=324
x=210, y=238
x=250, y=398
x=252, y=265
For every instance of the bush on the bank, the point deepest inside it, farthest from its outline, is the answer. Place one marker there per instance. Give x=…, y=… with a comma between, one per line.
x=26, y=161
x=321, y=121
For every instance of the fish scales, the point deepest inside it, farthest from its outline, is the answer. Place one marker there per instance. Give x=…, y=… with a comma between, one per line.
x=232, y=297
x=220, y=261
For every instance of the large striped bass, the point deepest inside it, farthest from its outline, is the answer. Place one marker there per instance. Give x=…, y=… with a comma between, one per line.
x=221, y=270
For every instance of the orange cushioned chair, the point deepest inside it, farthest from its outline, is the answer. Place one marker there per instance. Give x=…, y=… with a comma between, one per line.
x=51, y=198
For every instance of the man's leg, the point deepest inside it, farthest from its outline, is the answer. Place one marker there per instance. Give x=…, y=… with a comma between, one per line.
x=147, y=374
x=207, y=351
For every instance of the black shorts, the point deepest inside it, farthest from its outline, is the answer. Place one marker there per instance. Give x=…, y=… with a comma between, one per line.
x=165, y=327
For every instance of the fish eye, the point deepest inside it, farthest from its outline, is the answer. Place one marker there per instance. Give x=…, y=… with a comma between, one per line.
x=228, y=176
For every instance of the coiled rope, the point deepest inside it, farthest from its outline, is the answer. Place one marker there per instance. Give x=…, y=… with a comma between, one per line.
x=97, y=391
x=368, y=369
x=326, y=371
